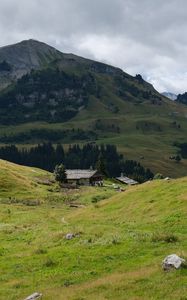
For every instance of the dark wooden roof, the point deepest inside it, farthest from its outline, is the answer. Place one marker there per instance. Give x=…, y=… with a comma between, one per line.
x=81, y=174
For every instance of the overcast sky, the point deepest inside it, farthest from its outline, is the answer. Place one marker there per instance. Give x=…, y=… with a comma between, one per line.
x=140, y=36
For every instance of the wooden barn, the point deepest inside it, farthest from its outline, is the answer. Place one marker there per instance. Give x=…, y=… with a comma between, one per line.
x=84, y=177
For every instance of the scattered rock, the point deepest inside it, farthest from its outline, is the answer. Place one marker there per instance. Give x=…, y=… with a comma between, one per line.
x=70, y=236
x=115, y=186
x=34, y=296
x=172, y=261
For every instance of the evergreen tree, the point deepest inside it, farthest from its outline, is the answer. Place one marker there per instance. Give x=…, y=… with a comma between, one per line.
x=59, y=154
x=101, y=165
x=60, y=173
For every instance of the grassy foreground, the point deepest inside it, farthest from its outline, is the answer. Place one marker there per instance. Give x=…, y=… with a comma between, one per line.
x=122, y=239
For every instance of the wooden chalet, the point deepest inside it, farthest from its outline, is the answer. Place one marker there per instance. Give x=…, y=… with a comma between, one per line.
x=84, y=177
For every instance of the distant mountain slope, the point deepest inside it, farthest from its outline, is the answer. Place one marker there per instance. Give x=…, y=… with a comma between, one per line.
x=53, y=95
x=55, y=87
x=182, y=98
x=171, y=96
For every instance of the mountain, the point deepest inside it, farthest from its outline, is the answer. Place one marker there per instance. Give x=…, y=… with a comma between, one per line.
x=182, y=98
x=46, y=93
x=54, y=87
x=170, y=95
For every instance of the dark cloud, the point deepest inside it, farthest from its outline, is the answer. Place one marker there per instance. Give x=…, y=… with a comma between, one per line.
x=147, y=36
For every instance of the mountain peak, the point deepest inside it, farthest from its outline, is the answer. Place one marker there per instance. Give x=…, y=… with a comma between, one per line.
x=24, y=56
x=25, y=45
x=33, y=43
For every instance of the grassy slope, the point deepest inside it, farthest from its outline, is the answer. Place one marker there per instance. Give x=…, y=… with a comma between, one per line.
x=117, y=255
x=154, y=146
x=22, y=182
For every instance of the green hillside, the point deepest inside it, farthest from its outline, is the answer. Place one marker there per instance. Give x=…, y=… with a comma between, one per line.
x=151, y=144
x=121, y=241
x=19, y=183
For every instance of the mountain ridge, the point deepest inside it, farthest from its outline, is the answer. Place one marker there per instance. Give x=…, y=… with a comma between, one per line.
x=47, y=85
x=27, y=54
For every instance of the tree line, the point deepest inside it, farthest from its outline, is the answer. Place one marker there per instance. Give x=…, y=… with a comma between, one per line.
x=104, y=157
x=51, y=135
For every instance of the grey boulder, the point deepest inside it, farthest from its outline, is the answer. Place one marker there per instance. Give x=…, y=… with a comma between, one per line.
x=69, y=236
x=34, y=296
x=172, y=261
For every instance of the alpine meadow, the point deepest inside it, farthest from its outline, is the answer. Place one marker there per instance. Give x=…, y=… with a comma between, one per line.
x=93, y=150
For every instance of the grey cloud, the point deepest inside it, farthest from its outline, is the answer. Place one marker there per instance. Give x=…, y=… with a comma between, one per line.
x=146, y=36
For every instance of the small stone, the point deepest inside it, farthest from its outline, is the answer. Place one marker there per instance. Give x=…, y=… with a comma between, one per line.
x=172, y=261
x=34, y=296
x=69, y=236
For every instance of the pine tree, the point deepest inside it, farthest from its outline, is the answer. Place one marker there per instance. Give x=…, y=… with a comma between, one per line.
x=101, y=165
x=60, y=173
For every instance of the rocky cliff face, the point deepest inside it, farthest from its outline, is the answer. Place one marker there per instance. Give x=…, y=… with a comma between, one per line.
x=19, y=59
x=182, y=98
